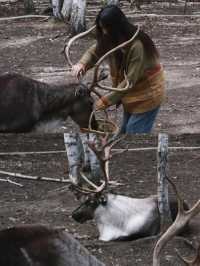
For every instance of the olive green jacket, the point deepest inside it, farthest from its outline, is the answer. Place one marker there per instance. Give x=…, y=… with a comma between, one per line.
x=145, y=76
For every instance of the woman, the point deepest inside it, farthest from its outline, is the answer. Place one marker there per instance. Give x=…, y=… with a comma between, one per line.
x=140, y=60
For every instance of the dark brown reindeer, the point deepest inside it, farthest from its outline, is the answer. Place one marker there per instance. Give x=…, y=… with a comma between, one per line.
x=116, y=216
x=29, y=105
x=40, y=245
x=182, y=219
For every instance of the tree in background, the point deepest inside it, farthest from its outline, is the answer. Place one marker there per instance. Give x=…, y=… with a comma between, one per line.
x=71, y=11
x=29, y=7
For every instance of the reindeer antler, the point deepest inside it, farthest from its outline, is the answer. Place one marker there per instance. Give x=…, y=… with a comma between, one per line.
x=181, y=220
x=103, y=156
x=192, y=262
x=69, y=44
x=97, y=65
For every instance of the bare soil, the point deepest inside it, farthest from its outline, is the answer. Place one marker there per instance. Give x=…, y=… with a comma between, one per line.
x=33, y=47
x=52, y=203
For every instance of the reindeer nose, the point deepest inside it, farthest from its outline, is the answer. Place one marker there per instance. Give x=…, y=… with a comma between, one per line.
x=78, y=216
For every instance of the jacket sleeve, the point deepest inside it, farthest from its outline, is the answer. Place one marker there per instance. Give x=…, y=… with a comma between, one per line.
x=134, y=71
x=90, y=57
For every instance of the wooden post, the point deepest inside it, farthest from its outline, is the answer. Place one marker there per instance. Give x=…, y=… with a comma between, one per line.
x=163, y=200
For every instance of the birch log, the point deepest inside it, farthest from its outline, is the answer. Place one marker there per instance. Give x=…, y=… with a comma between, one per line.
x=74, y=154
x=77, y=21
x=163, y=199
x=110, y=2
x=82, y=158
x=94, y=162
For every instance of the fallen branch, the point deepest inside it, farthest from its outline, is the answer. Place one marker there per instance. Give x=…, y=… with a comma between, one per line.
x=22, y=17
x=39, y=178
x=11, y=182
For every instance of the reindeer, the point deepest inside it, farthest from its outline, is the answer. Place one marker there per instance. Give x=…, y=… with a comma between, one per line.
x=40, y=245
x=118, y=217
x=182, y=219
x=29, y=105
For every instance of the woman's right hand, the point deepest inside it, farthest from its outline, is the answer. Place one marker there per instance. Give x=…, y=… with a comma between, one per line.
x=78, y=70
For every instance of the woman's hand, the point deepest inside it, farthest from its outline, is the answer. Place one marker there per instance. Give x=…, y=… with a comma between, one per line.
x=102, y=103
x=78, y=70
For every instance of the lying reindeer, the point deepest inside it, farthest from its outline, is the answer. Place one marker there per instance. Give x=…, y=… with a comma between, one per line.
x=39, y=245
x=116, y=216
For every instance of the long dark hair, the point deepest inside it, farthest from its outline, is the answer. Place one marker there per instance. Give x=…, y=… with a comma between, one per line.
x=119, y=29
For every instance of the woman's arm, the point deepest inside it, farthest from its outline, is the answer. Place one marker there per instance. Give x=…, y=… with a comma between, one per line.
x=134, y=71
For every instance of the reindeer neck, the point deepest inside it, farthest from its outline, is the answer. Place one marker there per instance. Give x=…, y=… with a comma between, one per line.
x=57, y=96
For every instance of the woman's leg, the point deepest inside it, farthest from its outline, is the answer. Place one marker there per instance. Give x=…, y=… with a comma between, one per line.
x=141, y=123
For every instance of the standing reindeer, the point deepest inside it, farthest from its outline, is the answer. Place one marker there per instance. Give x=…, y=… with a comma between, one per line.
x=39, y=245
x=118, y=217
x=29, y=105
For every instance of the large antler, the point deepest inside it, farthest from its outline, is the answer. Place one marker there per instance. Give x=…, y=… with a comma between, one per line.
x=69, y=44
x=182, y=219
x=192, y=262
x=97, y=65
x=103, y=155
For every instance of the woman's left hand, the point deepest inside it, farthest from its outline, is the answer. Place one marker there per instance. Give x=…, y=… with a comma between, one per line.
x=101, y=104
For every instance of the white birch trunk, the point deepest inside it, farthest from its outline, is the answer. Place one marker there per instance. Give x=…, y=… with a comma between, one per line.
x=111, y=2
x=163, y=199
x=74, y=154
x=91, y=162
x=57, y=5
x=82, y=158
x=94, y=162
x=77, y=21
x=66, y=9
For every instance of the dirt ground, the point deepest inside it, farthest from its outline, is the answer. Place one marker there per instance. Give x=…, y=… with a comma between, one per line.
x=52, y=203
x=33, y=47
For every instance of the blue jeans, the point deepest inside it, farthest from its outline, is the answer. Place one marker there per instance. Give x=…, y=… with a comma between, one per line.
x=138, y=122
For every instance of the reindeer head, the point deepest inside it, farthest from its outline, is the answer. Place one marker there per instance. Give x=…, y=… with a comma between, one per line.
x=87, y=209
x=95, y=195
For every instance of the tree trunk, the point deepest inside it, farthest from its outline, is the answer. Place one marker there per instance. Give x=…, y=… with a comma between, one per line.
x=66, y=10
x=57, y=5
x=74, y=154
x=82, y=158
x=163, y=199
x=77, y=21
x=29, y=7
x=111, y=2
